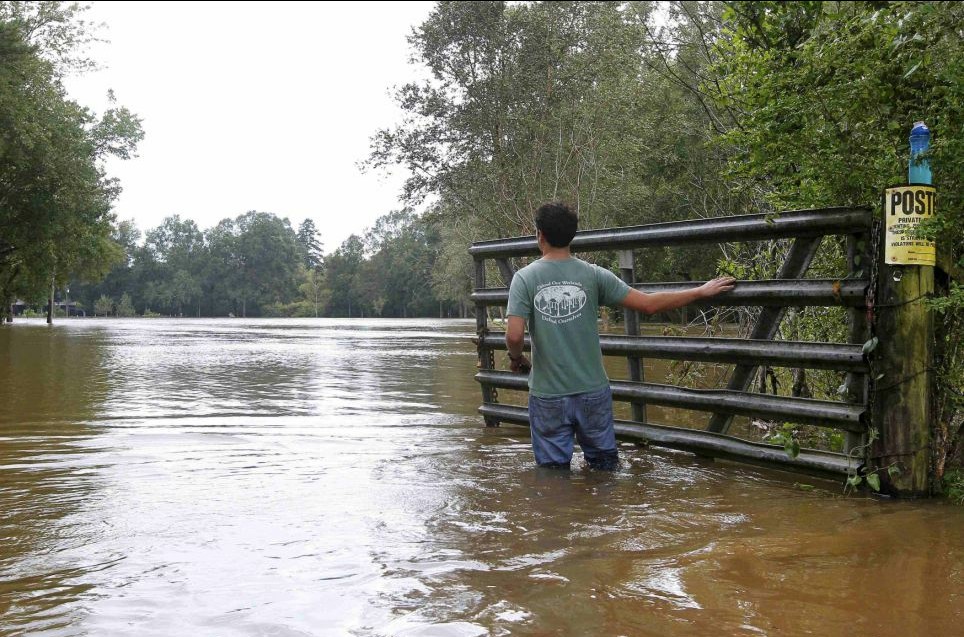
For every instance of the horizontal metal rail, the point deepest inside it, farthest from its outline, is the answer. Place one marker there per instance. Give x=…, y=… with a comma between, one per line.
x=704, y=443
x=821, y=413
x=758, y=227
x=777, y=293
x=800, y=354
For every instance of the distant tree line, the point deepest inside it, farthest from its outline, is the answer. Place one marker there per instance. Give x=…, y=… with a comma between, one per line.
x=258, y=265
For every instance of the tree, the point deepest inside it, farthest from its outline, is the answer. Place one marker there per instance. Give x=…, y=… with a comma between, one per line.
x=452, y=272
x=519, y=109
x=104, y=306
x=254, y=260
x=184, y=288
x=310, y=244
x=342, y=269
x=222, y=270
x=170, y=264
x=56, y=30
x=827, y=93
x=268, y=254
x=315, y=290
x=125, y=308
x=549, y=100
x=55, y=197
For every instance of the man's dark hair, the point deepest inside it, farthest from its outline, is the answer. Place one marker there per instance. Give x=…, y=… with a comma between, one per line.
x=557, y=222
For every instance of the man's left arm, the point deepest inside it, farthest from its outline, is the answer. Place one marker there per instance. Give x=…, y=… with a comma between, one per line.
x=663, y=301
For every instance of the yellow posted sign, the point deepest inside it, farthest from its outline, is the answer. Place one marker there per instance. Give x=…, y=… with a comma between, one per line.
x=904, y=208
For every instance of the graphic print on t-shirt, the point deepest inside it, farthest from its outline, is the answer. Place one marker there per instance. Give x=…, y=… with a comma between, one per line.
x=560, y=301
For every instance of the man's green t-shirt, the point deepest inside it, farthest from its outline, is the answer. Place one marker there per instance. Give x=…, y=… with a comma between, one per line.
x=560, y=299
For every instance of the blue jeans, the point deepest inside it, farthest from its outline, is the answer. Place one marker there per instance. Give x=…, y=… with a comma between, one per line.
x=588, y=417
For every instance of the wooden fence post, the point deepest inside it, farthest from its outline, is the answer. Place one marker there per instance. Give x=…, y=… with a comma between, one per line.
x=901, y=405
x=902, y=410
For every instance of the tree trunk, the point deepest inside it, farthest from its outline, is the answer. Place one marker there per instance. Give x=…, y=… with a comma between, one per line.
x=50, y=305
x=800, y=387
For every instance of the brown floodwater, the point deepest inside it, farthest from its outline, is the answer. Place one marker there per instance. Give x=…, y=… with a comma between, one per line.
x=331, y=477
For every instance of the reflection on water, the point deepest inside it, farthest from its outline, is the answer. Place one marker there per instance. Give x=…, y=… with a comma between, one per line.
x=326, y=477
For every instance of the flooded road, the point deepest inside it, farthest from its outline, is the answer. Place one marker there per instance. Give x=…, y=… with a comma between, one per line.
x=331, y=477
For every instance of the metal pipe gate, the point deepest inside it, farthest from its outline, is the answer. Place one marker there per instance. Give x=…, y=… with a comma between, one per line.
x=806, y=228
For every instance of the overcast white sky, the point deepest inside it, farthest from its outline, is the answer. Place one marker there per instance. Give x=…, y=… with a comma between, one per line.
x=254, y=106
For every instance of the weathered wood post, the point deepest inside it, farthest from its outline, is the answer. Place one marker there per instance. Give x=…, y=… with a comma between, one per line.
x=627, y=272
x=901, y=408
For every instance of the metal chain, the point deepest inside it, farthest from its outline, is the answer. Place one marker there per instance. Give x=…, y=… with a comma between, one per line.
x=494, y=390
x=871, y=303
x=480, y=335
x=489, y=358
x=871, y=300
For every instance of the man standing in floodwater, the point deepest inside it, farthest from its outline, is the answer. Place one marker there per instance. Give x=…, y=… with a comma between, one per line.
x=559, y=297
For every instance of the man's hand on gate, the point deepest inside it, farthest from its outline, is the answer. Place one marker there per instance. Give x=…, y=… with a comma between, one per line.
x=520, y=365
x=717, y=285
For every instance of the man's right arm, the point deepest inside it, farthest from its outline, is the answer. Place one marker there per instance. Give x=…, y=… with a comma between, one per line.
x=663, y=301
x=520, y=307
x=515, y=336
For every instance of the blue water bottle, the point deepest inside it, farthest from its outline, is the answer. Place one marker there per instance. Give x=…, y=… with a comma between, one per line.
x=919, y=170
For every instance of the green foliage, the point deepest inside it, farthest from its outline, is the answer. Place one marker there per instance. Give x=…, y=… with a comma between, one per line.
x=786, y=436
x=824, y=96
x=55, y=218
x=125, y=307
x=55, y=30
x=391, y=270
x=310, y=245
x=953, y=302
x=827, y=104
x=254, y=265
x=836, y=441
x=344, y=276
x=533, y=101
x=953, y=484
x=299, y=309
x=104, y=306
x=452, y=273
x=237, y=266
x=315, y=290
